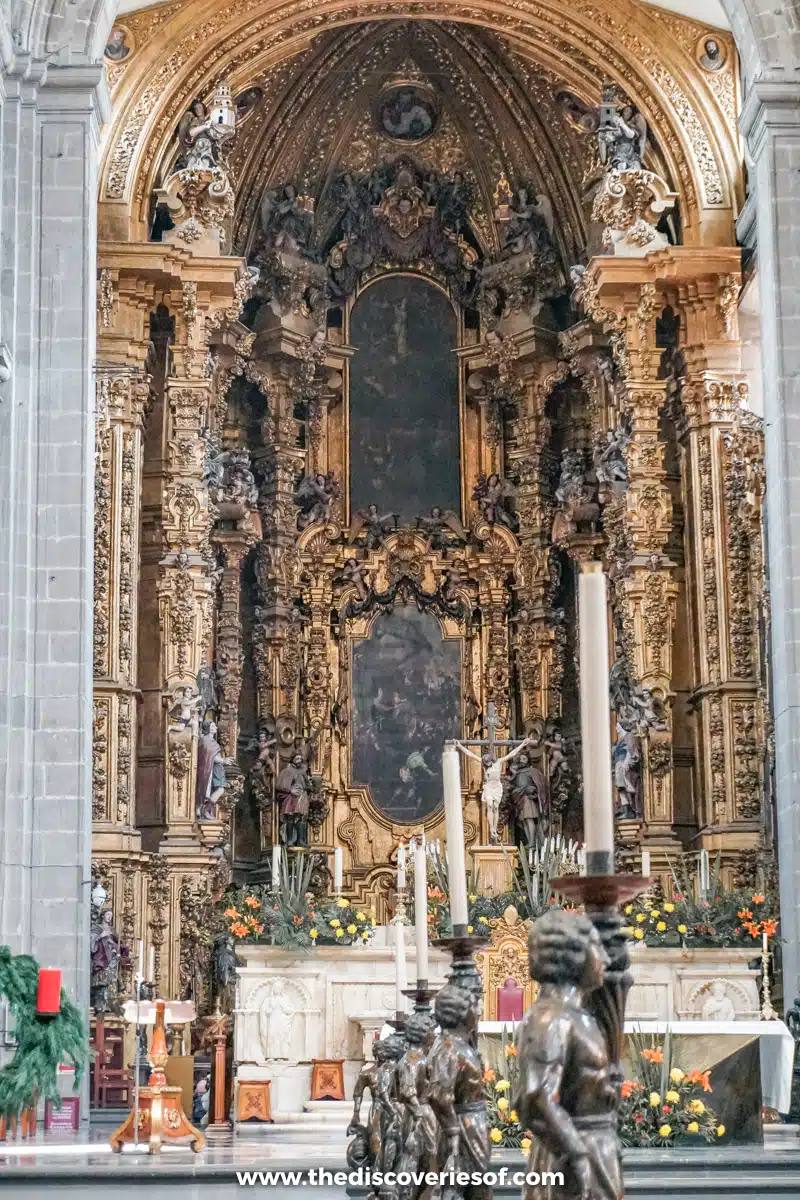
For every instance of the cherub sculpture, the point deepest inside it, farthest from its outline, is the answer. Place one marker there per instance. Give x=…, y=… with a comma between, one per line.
x=612, y=465
x=314, y=496
x=353, y=572
x=374, y=524
x=492, y=790
x=443, y=529
x=185, y=709
x=567, y=1089
x=494, y=495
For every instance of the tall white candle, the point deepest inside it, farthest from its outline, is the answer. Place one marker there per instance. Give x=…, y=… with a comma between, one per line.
x=421, y=911
x=598, y=804
x=337, y=869
x=151, y=966
x=401, y=866
x=454, y=827
x=140, y=968
x=764, y=941
x=705, y=872
x=276, y=866
x=646, y=863
x=401, y=975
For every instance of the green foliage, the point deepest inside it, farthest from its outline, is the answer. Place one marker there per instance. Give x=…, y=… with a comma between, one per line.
x=42, y=1042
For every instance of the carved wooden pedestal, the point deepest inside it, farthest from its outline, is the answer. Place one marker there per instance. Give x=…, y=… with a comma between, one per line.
x=160, y=1116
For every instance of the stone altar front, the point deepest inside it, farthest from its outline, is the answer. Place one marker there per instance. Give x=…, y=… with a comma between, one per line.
x=331, y=1003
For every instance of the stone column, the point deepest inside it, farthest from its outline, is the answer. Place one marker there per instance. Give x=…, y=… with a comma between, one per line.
x=770, y=122
x=49, y=195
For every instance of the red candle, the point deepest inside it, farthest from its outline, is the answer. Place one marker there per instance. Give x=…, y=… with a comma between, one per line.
x=48, y=995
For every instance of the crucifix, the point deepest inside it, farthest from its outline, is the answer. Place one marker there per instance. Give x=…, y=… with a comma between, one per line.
x=492, y=790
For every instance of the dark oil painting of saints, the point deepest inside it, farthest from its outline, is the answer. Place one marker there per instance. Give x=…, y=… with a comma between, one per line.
x=406, y=704
x=404, y=418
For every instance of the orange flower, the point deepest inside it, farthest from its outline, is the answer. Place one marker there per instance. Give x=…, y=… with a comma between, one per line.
x=258, y=928
x=488, y=1075
x=510, y=1050
x=628, y=1088
x=653, y=1056
x=744, y=912
x=769, y=927
x=231, y=912
x=758, y=898
x=239, y=930
x=700, y=1078
x=252, y=902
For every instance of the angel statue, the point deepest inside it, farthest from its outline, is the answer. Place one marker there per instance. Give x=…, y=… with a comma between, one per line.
x=198, y=149
x=454, y=203
x=353, y=572
x=285, y=221
x=622, y=136
x=493, y=496
x=443, y=528
x=492, y=790
x=531, y=220
x=185, y=709
x=374, y=524
x=314, y=496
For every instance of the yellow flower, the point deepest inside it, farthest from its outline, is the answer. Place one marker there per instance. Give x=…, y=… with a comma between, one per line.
x=669, y=907
x=628, y=909
x=472, y=897
x=342, y=903
x=360, y=916
x=627, y=929
x=502, y=1103
x=502, y=1085
x=469, y=929
x=313, y=933
x=720, y=1130
x=640, y=917
x=693, y=1127
x=677, y=1075
x=352, y=929
x=514, y=1115
x=495, y=1135
x=673, y=1097
x=483, y=920
x=340, y=933
x=335, y=923
x=365, y=936
x=638, y=934
x=696, y=1106
x=525, y=1144
x=655, y=913
x=661, y=926
x=655, y=1099
x=681, y=929
x=664, y=1130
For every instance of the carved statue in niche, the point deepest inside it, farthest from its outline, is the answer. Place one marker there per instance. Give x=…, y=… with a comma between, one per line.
x=292, y=789
x=576, y=496
x=239, y=484
x=373, y=524
x=207, y=687
x=262, y=774
x=287, y=221
x=314, y=496
x=275, y=1020
x=717, y=1004
x=492, y=790
x=104, y=952
x=224, y=967
x=419, y=1129
x=454, y=203
x=352, y=198
x=627, y=767
x=455, y=1070
x=622, y=134
x=567, y=1091
x=612, y=464
x=494, y=495
x=443, y=530
x=211, y=780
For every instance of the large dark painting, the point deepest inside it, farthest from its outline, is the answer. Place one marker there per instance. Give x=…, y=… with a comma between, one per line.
x=404, y=438
x=406, y=703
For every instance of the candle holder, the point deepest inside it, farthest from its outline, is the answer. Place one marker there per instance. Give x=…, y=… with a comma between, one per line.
x=422, y=996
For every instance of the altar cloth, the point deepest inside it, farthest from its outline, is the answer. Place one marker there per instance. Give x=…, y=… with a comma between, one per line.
x=775, y=1045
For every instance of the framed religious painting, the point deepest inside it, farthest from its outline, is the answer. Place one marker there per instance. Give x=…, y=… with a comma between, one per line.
x=407, y=112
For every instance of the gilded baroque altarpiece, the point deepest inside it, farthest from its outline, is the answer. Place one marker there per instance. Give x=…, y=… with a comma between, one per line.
x=359, y=423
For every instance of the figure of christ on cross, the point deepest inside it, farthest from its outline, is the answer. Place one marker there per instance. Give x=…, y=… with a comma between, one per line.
x=492, y=791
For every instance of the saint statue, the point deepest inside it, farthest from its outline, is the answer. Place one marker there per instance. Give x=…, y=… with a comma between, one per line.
x=493, y=495
x=211, y=781
x=455, y=1074
x=492, y=791
x=717, y=1005
x=567, y=1090
x=529, y=799
x=275, y=1023
x=105, y=955
x=292, y=794
x=627, y=765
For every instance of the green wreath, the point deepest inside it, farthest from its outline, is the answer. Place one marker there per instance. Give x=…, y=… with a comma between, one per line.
x=42, y=1043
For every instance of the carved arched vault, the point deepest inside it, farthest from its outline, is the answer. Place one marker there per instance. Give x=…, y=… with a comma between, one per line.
x=500, y=69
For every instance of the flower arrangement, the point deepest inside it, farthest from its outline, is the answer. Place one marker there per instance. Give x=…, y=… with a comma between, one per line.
x=725, y=918
x=505, y=1130
x=665, y=1105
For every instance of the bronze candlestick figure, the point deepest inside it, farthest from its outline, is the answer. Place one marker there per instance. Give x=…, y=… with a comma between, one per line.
x=569, y=1042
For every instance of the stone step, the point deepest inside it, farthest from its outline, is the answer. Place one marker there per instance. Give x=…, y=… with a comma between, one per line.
x=345, y=1106
x=319, y=1118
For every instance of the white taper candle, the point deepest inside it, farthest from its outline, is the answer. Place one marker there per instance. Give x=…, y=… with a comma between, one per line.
x=646, y=863
x=401, y=866
x=276, y=866
x=337, y=870
x=421, y=911
x=140, y=969
x=401, y=975
x=598, y=804
x=454, y=827
x=151, y=966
